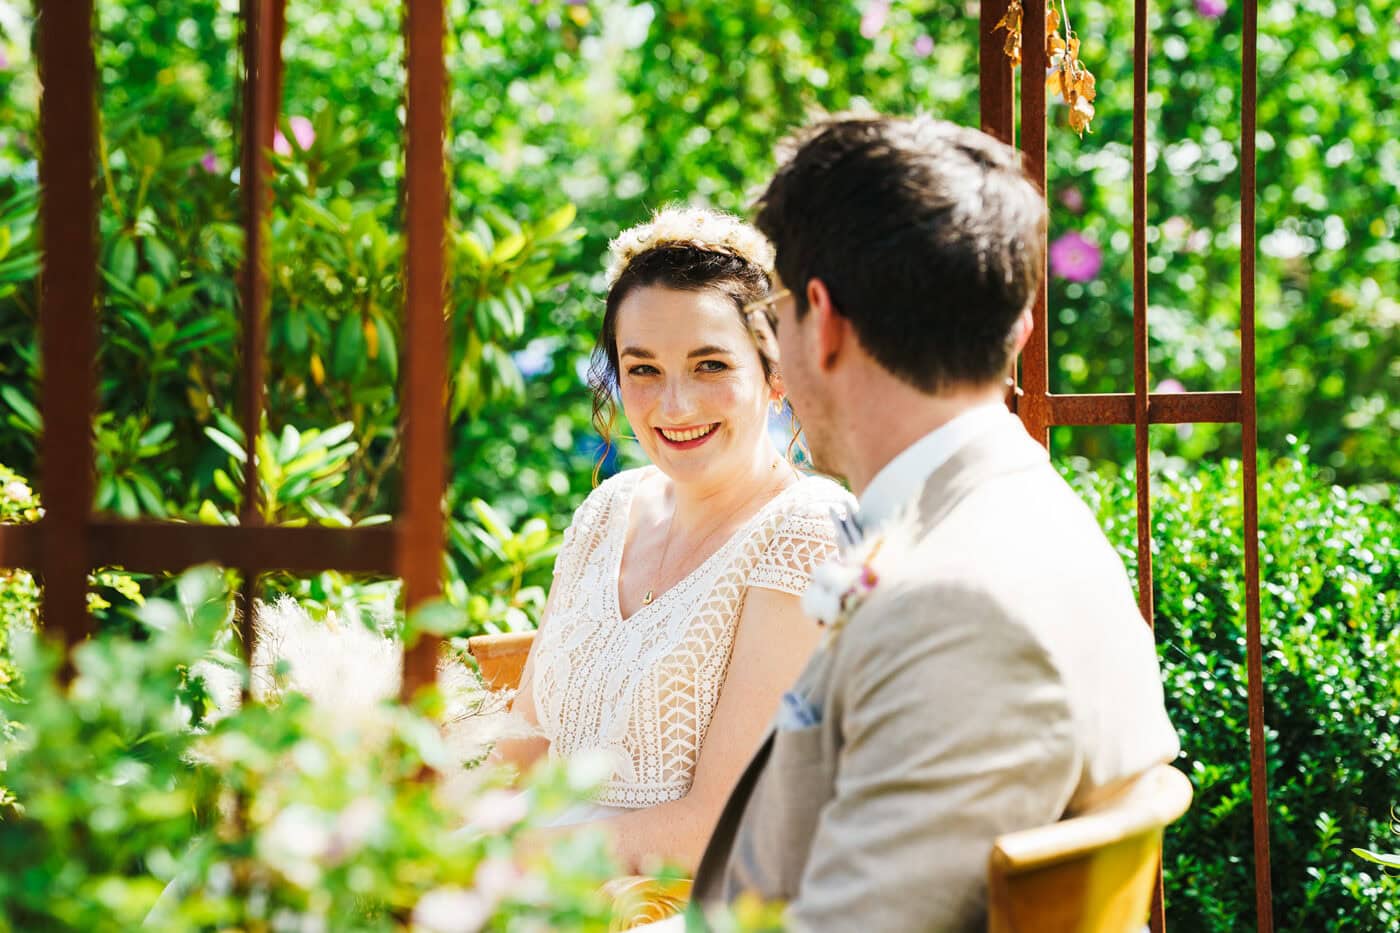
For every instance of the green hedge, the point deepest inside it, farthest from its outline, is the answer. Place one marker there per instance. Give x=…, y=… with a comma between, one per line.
x=1330, y=584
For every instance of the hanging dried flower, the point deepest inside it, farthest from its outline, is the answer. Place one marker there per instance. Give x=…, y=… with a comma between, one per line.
x=1068, y=74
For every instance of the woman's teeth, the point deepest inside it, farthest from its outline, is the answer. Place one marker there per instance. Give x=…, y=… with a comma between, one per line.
x=679, y=436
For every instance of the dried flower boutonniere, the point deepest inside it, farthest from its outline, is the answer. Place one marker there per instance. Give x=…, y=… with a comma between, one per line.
x=841, y=585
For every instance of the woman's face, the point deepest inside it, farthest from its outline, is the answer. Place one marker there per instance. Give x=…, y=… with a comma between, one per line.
x=693, y=387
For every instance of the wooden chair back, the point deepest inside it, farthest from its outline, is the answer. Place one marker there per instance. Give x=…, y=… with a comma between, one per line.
x=501, y=658
x=1093, y=873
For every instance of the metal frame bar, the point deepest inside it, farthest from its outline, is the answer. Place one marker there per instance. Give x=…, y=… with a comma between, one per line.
x=1040, y=410
x=424, y=421
x=67, y=307
x=69, y=540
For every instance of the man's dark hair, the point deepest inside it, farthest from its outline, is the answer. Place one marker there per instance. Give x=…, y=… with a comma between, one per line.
x=928, y=236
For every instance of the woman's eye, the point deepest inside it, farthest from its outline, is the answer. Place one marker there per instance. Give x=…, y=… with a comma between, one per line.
x=712, y=366
x=642, y=370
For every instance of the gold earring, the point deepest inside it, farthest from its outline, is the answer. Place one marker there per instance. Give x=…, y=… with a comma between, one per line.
x=778, y=404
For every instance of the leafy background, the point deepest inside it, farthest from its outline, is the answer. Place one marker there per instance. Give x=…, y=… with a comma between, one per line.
x=572, y=120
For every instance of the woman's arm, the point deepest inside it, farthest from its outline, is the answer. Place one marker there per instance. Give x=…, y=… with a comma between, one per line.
x=523, y=753
x=772, y=645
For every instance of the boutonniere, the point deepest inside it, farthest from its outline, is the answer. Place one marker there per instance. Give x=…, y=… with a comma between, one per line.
x=842, y=584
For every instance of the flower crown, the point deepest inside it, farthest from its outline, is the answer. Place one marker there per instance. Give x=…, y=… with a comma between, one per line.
x=697, y=227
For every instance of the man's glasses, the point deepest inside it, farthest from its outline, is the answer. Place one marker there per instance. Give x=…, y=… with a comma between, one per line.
x=762, y=318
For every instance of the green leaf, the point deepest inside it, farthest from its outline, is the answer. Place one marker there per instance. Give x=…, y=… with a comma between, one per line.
x=146, y=152
x=348, y=356
x=162, y=260
x=490, y=519
x=148, y=289
x=289, y=443
x=224, y=483
x=330, y=436
x=229, y=446
x=437, y=617
x=123, y=265
x=319, y=215
x=4, y=242
x=473, y=248
x=209, y=513
x=557, y=222
x=388, y=348
x=1380, y=858
x=149, y=494
x=127, y=506
x=156, y=434
x=508, y=248
x=22, y=407
x=296, y=332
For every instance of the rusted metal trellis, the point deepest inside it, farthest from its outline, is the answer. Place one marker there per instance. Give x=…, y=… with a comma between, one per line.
x=1041, y=410
x=70, y=540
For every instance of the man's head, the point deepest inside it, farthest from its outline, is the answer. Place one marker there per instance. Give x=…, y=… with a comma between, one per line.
x=922, y=239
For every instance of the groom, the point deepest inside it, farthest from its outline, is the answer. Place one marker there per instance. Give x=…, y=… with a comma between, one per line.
x=990, y=672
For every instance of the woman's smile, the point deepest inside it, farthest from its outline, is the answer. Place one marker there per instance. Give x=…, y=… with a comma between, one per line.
x=686, y=438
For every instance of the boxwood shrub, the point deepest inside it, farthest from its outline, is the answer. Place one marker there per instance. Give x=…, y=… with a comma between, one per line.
x=1330, y=600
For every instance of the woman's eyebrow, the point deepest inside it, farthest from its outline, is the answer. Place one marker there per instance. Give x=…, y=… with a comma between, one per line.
x=709, y=350
x=638, y=352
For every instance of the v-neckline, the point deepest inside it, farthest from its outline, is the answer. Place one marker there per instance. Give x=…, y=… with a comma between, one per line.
x=624, y=514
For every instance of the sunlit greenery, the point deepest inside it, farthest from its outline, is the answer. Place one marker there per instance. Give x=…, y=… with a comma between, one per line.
x=571, y=119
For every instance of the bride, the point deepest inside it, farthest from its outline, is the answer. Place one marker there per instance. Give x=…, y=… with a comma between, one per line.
x=673, y=626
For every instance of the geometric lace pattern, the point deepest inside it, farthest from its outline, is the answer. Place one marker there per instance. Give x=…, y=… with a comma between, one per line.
x=642, y=690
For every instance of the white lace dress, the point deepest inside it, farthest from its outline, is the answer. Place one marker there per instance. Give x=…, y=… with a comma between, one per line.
x=642, y=690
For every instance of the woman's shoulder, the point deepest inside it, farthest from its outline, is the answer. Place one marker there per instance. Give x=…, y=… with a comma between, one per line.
x=808, y=508
x=609, y=489
x=813, y=494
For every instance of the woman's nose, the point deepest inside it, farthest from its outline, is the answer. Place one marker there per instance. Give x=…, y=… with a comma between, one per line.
x=676, y=402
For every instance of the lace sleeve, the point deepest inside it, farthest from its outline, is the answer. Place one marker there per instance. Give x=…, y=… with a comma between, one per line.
x=805, y=540
x=583, y=527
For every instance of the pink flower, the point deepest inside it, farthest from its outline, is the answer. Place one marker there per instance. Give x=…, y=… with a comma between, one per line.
x=209, y=163
x=1211, y=9
x=301, y=129
x=874, y=18
x=1073, y=199
x=923, y=46
x=4, y=61
x=1171, y=387
x=1075, y=257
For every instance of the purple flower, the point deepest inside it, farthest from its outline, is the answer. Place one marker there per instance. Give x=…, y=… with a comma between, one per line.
x=923, y=46
x=873, y=19
x=1073, y=199
x=209, y=163
x=301, y=129
x=1211, y=9
x=4, y=61
x=1075, y=257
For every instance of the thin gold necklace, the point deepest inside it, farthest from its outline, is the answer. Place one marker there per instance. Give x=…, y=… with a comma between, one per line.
x=650, y=595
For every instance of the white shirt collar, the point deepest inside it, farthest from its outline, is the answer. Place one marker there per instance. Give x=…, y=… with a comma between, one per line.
x=903, y=477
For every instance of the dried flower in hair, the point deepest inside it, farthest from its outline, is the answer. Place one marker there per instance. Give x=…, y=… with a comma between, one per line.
x=696, y=227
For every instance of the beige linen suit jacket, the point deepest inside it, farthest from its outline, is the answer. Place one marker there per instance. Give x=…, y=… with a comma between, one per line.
x=1000, y=678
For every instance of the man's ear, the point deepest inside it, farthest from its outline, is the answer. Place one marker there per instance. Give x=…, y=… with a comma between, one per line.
x=830, y=327
x=1021, y=332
